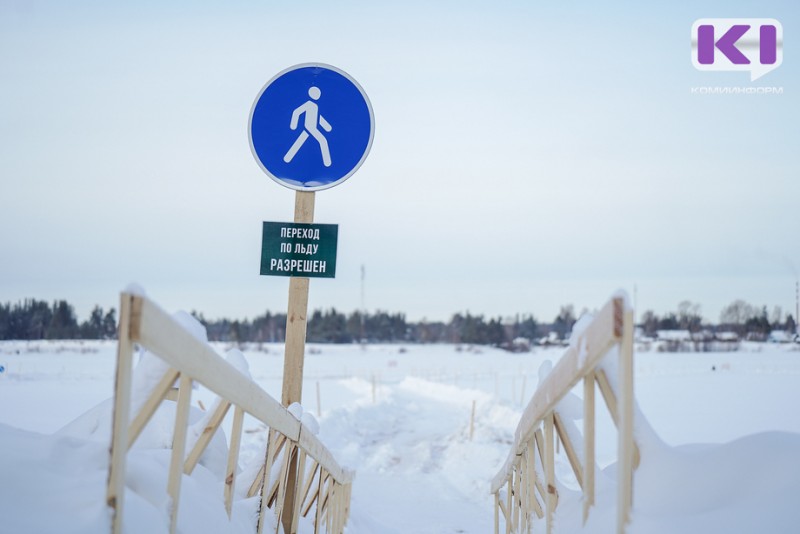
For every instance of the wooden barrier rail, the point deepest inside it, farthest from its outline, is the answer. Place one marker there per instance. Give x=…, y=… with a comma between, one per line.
x=541, y=425
x=324, y=482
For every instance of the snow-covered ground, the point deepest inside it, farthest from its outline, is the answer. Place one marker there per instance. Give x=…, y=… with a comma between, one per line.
x=400, y=416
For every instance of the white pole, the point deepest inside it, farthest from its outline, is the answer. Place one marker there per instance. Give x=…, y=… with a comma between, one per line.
x=319, y=402
x=472, y=422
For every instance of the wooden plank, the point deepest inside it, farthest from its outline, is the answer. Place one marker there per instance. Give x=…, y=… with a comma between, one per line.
x=542, y=492
x=524, y=505
x=296, y=316
x=339, y=509
x=164, y=336
x=233, y=458
x=261, y=483
x=280, y=502
x=533, y=480
x=496, y=513
x=538, y=437
x=524, y=493
x=307, y=487
x=611, y=403
x=310, y=502
x=205, y=438
x=280, y=441
x=601, y=334
x=321, y=500
x=257, y=483
x=314, y=447
x=178, y=449
x=625, y=429
x=608, y=395
x=296, y=324
x=502, y=508
x=588, y=444
x=298, y=502
x=122, y=402
x=150, y=406
x=272, y=457
x=549, y=471
x=330, y=509
x=273, y=490
x=346, y=498
x=569, y=448
x=510, y=504
x=516, y=500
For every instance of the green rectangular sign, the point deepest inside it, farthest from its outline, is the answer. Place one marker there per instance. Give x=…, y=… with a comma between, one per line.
x=299, y=250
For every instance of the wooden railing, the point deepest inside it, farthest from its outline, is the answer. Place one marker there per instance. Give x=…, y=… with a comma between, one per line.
x=519, y=491
x=322, y=482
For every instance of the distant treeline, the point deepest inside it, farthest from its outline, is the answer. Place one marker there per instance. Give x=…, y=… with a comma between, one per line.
x=37, y=319
x=34, y=319
x=332, y=326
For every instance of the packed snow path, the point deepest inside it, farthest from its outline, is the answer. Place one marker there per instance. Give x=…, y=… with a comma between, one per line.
x=417, y=469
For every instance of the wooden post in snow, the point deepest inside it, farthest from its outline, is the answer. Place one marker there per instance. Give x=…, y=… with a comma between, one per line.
x=294, y=355
x=472, y=422
x=626, y=445
x=319, y=402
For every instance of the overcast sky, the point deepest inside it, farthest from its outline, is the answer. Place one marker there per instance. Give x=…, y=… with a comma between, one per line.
x=526, y=155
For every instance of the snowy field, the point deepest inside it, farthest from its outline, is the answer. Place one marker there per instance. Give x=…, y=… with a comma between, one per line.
x=400, y=416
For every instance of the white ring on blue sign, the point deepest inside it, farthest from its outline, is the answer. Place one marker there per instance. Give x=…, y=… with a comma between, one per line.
x=311, y=127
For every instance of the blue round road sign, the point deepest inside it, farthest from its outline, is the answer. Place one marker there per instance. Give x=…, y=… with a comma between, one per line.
x=311, y=127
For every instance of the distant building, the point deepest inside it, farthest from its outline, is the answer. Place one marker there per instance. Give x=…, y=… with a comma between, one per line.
x=702, y=341
x=779, y=336
x=674, y=341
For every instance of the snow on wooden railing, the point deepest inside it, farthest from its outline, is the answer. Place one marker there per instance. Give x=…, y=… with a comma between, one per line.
x=517, y=487
x=324, y=482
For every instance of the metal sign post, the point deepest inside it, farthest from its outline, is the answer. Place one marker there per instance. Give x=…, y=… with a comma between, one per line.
x=311, y=127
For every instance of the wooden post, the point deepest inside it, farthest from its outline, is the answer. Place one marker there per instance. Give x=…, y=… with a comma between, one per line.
x=233, y=458
x=151, y=405
x=122, y=402
x=264, y=476
x=509, y=503
x=549, y=471
x=497, y=512
x=299, y=495
x=588, y=444
x=472, y=422
x=178, y=449
x=625, y=428
x=296, y=315
x=569, y=448
x=319, y=402
x=294, y=356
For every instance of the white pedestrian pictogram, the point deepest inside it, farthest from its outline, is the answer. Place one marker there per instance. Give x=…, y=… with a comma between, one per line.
x=312, y=120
